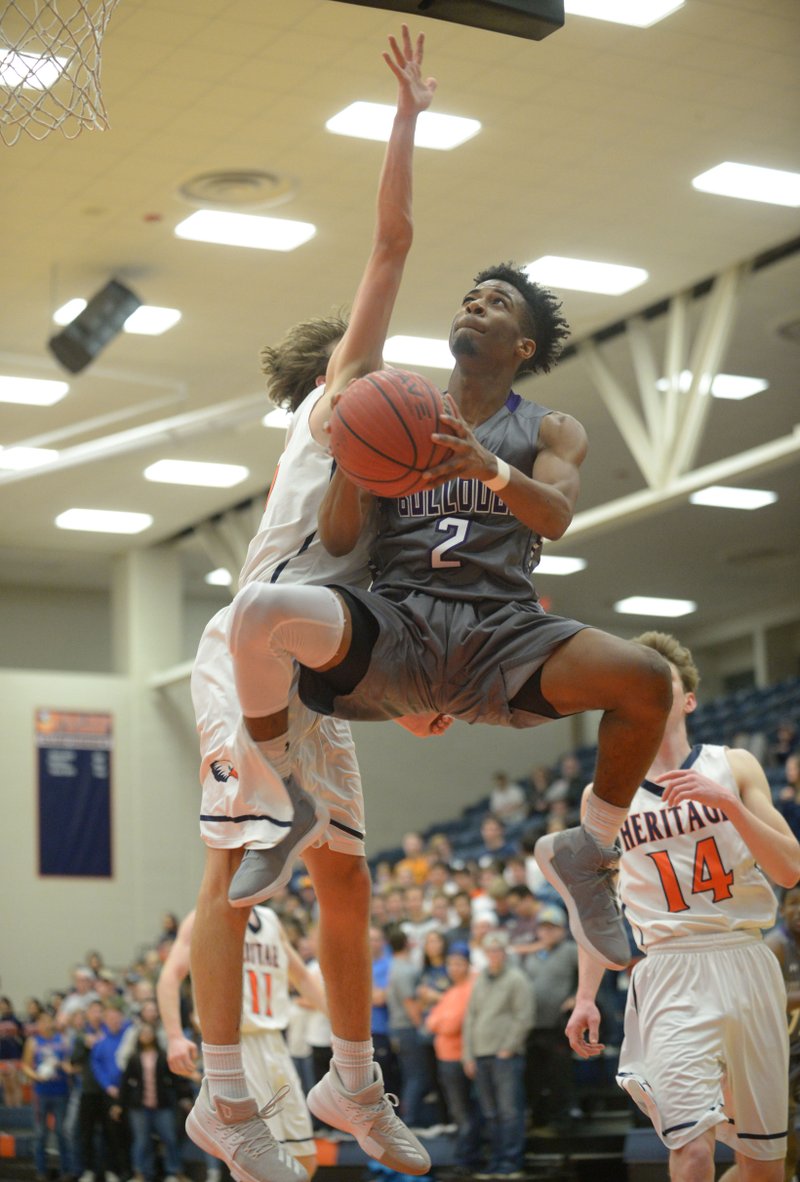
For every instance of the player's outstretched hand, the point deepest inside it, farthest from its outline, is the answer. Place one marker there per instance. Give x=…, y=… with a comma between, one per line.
x=416, y=93
x=583, y=1030
x=687, y=784
x=470, y=459
x=182, y=1056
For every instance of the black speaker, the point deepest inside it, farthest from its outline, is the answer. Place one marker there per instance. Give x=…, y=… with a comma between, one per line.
x=535, y=19
x=91, y=330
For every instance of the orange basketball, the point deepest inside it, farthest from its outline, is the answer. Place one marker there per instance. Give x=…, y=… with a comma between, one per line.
x=381, y=431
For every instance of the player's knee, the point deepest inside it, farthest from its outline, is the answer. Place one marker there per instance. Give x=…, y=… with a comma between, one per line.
x=254, y=613
x=653, y=681
x=693, y=1162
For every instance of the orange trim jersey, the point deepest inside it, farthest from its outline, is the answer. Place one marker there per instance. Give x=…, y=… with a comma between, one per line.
x=286, y=548
x=685, y=871
x=265, y=981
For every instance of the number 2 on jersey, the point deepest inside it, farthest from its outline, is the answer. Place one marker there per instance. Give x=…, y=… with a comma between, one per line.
x=708, y=875
x=458, y=529
x=260, y=985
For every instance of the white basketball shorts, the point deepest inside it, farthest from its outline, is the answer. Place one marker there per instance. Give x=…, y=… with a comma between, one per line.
x=706, y=1044
x=324, y=763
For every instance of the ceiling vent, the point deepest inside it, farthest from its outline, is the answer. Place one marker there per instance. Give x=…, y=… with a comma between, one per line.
x=240, y=188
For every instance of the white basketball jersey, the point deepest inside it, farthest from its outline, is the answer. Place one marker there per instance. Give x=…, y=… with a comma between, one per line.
x=286, y=547
x=685, y=870
x=265, y=984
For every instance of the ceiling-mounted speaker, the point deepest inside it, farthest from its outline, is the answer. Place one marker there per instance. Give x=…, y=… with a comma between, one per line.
x=534, y=19
x=100, y=321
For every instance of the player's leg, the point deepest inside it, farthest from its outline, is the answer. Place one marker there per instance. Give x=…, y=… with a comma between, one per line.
x=224, y=1120
x=632, y=686
x=750, y=1169
x=693, y=1162
x=351, y=1096
x=270, y=626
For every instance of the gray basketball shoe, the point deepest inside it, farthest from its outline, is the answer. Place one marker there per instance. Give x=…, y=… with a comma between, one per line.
x=237, y=1132
x=582, y=870
x=368, y=1115
x=263, y=873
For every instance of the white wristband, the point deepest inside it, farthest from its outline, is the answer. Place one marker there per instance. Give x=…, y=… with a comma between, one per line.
x=502, y=478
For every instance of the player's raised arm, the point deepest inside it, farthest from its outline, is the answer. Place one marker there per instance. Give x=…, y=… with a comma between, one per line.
x=360, y=349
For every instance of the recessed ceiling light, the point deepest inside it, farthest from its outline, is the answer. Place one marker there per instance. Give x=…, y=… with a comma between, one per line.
x=373, y=121
x=219, y=577
x=32, y=391
x=67, y=312
x=558, y=564
x=723, y=497
x=645, y=605
x=751, y=182
x=585, y=275
x=732, y=386
x=104, y=521
x=280, y=417
x=418, y=351
x=17, y=459
x=150, y=321
x=641, y=13
x=196, y=473
x=31, y=71
x=244, y=229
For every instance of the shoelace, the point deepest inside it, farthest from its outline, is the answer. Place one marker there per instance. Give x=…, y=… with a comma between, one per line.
x=272, y=1107
x=362, y=1114
x=257, y=1138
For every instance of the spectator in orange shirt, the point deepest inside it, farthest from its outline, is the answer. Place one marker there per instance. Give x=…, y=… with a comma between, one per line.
x=445, y=1022
x=414, y=859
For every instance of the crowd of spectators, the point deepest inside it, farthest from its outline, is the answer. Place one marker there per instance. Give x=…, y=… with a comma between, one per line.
x=474, y=974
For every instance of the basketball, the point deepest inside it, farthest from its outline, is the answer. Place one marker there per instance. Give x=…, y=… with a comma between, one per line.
x=381, y=431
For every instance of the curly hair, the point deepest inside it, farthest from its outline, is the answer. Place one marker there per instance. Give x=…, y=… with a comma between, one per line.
x=294, y=364
x=676, y=653
x=545, y=324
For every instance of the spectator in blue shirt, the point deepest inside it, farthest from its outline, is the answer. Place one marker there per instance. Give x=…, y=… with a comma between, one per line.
x=103, y=1059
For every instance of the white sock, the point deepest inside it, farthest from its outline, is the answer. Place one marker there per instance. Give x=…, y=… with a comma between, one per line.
x=354, y=1062
x=603, y=820
x=269, y=627
x=224, y=1071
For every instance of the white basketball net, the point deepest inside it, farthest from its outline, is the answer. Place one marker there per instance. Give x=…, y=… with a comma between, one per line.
x=50, y=66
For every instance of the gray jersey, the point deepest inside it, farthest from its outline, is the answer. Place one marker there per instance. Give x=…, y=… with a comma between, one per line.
x=460, y=541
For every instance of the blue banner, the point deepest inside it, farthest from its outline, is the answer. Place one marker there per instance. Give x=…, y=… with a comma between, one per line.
x=74, y=755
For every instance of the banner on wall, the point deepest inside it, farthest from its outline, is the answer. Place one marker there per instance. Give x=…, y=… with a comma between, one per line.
x=74, y=757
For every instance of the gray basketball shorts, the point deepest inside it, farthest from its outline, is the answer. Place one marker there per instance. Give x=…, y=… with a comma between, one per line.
x=446, y=656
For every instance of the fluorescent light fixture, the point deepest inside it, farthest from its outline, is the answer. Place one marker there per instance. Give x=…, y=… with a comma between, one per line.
x=17, y=459
x=732, y=386
x=31, y=71
x=104, y=521
x=373, y=121
x=280, y=418
x=31, y=391
x=244, y=229
x=418, y=351
x=557, y=564
x=751, y=183
x=645, y=605
x=584, y=275
x=219, y=577
x=67, y=312
x=150, y=321
x=197, y=473
x=723, y=497
x=641, y=13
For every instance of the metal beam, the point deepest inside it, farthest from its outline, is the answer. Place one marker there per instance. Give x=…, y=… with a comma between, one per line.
x=648, y=502
x=618, y=403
